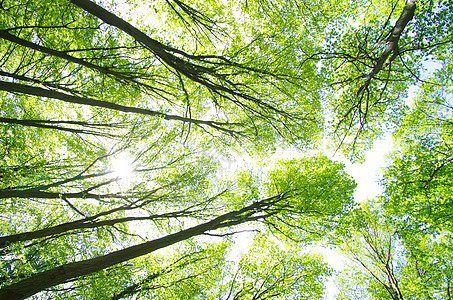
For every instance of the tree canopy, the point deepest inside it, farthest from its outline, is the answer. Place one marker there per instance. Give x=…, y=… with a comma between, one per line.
x=139, y=140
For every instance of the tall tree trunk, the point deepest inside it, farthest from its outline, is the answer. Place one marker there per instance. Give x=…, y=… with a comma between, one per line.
x=45, y=124
x=392, y=43
x=89, y=222
x=189, y=66
x=160, y=50
x=40, y=92
x=62, y=274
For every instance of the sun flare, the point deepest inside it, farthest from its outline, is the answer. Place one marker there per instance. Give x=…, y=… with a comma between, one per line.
x=123, y=166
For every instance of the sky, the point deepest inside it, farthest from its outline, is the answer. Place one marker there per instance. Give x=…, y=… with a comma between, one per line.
x=368, y=173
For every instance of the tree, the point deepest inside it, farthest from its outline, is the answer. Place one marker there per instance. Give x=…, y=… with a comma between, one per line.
x=393, y=263
x=294, y=200
x=174, y=89
x=423, y=198
x=269, y=271
x=190, y=273
x=372, y=247
x=374, y=63
x=214, y=73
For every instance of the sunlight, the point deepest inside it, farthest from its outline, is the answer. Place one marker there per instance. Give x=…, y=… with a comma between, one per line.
x=122, y=165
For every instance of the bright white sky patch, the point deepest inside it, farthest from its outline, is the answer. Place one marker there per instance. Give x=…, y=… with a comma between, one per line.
x=368, y=173
x=122, y=165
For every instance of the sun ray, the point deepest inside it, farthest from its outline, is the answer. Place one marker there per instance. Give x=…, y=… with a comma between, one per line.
x=123, y=166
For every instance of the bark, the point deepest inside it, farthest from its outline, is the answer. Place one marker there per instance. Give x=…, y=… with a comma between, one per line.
x=392, y=43
x=47, y=195
x=4, y=34
x=193, y=71
x=42, y=124
x=55, y=195
x=40, y=92
x=64, y=273
x=89, y=222
x=37, y=192
x=64, y=122
x=159, y=49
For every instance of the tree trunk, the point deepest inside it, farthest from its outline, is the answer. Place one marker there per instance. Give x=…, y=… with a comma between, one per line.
x=4, y=34
x=42, y=124
x=62, y=274
x=195, y=72
x=40, y=92
x=159, y=49
x=85, y=223
x=392, y=47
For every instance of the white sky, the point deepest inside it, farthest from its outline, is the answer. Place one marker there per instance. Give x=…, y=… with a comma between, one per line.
x=368, y=173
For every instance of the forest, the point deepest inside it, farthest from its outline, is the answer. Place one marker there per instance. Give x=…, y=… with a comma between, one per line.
x=143, y=149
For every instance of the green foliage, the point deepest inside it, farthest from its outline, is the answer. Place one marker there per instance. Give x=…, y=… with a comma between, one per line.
x=391, y=261
x=273, y=270
x=318, y=188
x=178, y=88
x=367, y=98
x=419, y=180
